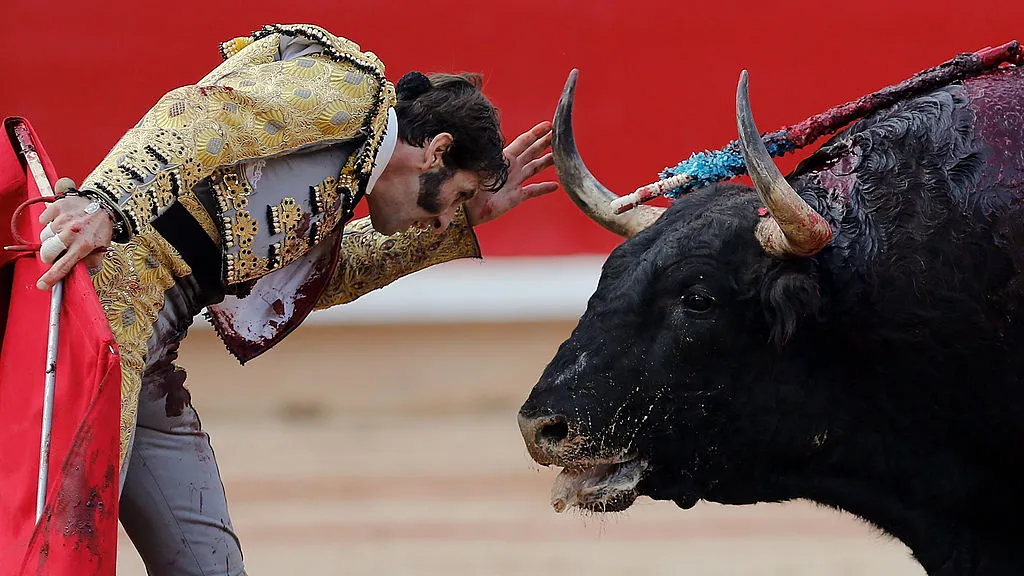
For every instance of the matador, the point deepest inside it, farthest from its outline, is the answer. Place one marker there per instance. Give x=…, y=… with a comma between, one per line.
x=235, y=195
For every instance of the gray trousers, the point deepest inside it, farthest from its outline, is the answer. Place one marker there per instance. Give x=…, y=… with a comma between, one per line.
x=173, y=504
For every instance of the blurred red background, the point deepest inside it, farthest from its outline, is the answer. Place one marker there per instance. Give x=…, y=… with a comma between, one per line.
x=657, y=78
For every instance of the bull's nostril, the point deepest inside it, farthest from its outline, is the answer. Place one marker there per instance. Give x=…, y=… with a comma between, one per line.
x=554, y=431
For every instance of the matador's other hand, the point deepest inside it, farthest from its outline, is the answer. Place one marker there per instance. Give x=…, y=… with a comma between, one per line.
x=77, y=229
x=527, y=156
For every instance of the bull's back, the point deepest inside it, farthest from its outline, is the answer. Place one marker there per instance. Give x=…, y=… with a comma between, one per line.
x=997, y=100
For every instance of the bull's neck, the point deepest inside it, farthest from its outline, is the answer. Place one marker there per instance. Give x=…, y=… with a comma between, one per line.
x=918, y=475
x=945, y=545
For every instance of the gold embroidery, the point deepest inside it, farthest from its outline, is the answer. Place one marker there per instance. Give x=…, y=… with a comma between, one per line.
x=370, y=260
x=275, y=220
x=130, y=284
x=316, y=199
x=241, y=53
x=142, y=161
x=293, y=244
x=246, y=228
x=244, y=264
x=340, y=47
x=290, y=214
x=249, y=107
x=369, y=71
x=234, y=46
x=232, y=190
x=198, y=211
x=330, y=199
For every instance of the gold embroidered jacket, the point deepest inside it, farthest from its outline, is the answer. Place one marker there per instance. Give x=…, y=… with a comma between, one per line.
x=250, y=107
x=254, y=107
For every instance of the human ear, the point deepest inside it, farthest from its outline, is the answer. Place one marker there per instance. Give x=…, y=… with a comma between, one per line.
x=435, y=149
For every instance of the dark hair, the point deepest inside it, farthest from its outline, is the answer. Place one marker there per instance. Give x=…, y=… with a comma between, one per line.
x=454, y=103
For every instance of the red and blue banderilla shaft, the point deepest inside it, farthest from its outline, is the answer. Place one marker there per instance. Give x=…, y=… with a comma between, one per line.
x=704, y=168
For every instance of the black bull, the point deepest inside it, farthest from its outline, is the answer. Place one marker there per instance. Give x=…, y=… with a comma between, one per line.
x=739, y=355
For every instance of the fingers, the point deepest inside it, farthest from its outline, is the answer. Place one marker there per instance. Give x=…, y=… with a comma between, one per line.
x=52, y=248
x=62, y=207
x=500, y=205
x=526, y=139
x=51, y=212
x=56, y=212
x=68, y=239
x=46, y=233
x=62, y=267
x=537, y=166
x=537, y=148
x=95, y=259
x=539, y=189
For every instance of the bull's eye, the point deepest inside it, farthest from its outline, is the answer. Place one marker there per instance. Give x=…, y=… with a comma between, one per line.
x=697, y=302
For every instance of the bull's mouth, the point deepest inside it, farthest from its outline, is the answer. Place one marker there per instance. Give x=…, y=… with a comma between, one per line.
x=609, y=487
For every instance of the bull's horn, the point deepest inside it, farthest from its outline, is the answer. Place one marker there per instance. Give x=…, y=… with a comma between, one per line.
x=593, y=198
x=794, y=229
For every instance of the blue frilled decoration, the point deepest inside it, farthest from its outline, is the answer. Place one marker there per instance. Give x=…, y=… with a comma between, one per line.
x=712, y=166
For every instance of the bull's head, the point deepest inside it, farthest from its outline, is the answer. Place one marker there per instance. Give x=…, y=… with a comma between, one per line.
x=647, y=396
x=735, y=351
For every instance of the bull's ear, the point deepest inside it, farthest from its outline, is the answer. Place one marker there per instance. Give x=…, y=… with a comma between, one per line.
x=787, y=300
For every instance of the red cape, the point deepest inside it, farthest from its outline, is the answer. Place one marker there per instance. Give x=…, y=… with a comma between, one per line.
x=78, y=532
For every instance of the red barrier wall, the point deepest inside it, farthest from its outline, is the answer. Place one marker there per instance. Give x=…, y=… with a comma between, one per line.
x=657, y=78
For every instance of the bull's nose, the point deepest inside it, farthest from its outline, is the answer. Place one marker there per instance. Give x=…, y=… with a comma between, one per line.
x=545, y=437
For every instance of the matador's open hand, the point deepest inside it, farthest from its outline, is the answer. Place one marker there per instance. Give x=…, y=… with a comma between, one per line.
x=527, y=158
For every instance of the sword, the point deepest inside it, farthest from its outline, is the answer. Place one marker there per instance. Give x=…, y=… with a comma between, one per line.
x=28, y=150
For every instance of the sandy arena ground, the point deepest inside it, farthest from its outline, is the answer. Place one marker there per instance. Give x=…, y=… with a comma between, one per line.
x=394, y=450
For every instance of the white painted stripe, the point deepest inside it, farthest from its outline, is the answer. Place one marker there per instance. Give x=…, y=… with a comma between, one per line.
x=506, y=289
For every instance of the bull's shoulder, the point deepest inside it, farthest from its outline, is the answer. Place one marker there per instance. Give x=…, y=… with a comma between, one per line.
x=898, y=174
x=897, y=146
x=963, y=143
x=997, y=101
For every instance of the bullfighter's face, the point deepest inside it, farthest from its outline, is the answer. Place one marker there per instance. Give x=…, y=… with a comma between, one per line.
x=416, y=189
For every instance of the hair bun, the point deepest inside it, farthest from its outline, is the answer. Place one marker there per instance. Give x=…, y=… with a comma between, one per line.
x=412, y=85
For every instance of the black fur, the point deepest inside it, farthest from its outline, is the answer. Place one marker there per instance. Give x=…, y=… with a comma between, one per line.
x=881, y=376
